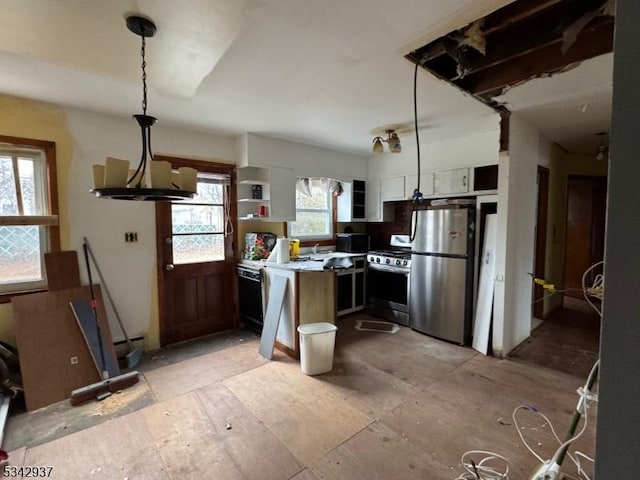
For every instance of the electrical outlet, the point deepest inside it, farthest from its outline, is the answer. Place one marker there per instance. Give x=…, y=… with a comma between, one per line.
x=130, y=237
x=74, y=360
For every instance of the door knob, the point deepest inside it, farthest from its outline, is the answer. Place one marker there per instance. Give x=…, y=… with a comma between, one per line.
x=168, y=267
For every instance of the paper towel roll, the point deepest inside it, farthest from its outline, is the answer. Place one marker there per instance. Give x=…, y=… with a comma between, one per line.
x=282, y=247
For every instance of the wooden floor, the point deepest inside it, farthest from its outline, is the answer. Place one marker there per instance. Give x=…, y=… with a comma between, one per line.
x=568, y=341
x=401, y=406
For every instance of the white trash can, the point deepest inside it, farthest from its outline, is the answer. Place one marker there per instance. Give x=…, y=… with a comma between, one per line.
x=317, y=341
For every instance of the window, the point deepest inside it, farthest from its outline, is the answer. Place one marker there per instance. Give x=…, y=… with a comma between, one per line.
x=28, y=212
x=198, y=225
x=314, y=213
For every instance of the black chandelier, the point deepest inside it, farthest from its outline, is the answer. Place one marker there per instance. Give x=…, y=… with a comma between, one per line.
x=115, y=180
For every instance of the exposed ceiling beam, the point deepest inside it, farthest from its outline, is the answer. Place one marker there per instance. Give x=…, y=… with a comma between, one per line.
x=592, y=41
x=515, y=12
x=529, y=39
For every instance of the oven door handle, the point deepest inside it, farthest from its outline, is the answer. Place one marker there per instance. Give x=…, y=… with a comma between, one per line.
x=385, y=268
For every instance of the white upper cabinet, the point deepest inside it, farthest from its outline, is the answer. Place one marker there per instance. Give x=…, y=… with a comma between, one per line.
x=393, y=188
x=374, y=201
x=451, y=181
x=426, y=184
x=283, y=194
x=352, y=204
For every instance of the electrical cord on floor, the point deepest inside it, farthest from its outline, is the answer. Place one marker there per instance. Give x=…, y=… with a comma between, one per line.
x=484, y=470
x=481, y=471
x=583, y=403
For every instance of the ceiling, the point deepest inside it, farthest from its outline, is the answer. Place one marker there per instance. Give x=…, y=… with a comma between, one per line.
x=327, y=73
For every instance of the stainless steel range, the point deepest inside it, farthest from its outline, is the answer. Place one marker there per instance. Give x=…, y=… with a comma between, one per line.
x=388, y=281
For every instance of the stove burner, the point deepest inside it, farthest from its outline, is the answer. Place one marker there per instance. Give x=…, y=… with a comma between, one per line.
x=400, y=259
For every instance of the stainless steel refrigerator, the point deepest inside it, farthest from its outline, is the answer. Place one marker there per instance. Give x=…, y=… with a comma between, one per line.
x=441, y=281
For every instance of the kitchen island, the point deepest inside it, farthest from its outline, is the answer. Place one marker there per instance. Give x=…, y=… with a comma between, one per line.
x=311, y=294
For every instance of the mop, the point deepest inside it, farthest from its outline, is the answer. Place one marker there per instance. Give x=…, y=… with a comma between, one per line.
x=135, y=354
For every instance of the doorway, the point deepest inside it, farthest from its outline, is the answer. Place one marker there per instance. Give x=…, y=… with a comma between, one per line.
x=586, y=210
x=196, y=256
x=541, y=240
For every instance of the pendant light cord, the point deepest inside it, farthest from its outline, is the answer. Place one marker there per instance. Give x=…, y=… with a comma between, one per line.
x=144, y=130
x=144, y=77
x=417, y=195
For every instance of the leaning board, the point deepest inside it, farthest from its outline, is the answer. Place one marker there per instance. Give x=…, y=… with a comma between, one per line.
x=48, y=336
x=87, y=323
x=484, y=305
x=272, y=317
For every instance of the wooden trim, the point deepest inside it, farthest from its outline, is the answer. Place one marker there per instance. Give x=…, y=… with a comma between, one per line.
x=18, y=220
x=200, y=165
x=52, y=178
x=296, y=309
x=162, y=213
x=52, y=174
x=49, y=149
x=287, y=350
x=6, y=297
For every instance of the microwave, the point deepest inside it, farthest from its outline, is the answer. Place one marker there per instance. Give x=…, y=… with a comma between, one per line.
x=352, y=242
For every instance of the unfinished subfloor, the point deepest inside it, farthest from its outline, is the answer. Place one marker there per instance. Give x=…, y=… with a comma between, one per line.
x=399, y=405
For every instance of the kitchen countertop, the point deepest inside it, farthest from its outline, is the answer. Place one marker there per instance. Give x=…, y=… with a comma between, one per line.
x=315, y=263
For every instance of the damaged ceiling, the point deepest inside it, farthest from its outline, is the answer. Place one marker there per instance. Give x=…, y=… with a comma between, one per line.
x=523, y=40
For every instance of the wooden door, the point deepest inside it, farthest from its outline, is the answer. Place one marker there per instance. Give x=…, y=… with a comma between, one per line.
x=541, y=239
x=586, y=207
x=195, y=254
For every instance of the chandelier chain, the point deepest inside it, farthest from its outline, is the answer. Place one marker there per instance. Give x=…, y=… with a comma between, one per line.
x=144, y=78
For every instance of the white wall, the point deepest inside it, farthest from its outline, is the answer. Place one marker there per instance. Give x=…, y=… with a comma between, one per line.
x=475, y=149
x=129, y=268
x=517, y=195
x=306, y=160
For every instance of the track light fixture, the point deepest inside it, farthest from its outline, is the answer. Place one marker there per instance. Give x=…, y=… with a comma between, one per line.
x=392, y=139
x=151, y=180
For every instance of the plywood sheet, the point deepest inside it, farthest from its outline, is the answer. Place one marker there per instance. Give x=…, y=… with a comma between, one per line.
x=380, y=453
x=117, y=449
x=310, y=421
x=255, y=450
x=364, y=387
x=186, y=441
x=189, y=375
x=48, y=338
x=62, y=270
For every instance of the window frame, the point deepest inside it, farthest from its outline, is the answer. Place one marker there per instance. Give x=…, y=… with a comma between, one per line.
x=309, y=241
x=206, y=177
x=50, y=222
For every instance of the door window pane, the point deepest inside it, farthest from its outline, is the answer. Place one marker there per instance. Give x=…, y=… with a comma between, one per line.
x=197, y=218
x=198, y=248
x=208, y=192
